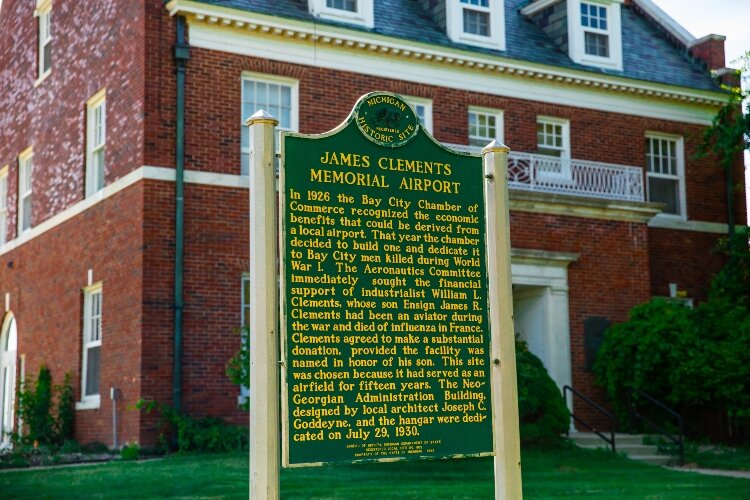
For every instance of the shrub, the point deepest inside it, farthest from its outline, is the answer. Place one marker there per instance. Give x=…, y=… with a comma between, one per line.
x=35, y=403
x=34, y=406
x=693, y=359
x=238, y=367
x=543, y=416
x=131, y=451
x=205, y=434
x=641, y=352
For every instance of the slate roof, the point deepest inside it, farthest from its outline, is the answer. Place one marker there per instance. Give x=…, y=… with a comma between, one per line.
x=647, y=54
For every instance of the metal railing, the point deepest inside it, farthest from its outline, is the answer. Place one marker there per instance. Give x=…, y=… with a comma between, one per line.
x=676, y=440
x=609, y=440
x=550, y=174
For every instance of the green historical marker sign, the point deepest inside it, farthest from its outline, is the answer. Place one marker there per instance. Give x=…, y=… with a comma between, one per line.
x=385, y=335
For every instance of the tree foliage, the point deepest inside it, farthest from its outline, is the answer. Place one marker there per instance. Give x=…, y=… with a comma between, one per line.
x=542, y=414
x=36, y=400
x=689, y=358
x=729, y=133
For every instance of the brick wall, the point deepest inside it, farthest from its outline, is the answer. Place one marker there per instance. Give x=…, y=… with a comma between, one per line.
x=45, y=277
x=710, y=50
x=93, y=46
x=610, y=276
x=213, y=122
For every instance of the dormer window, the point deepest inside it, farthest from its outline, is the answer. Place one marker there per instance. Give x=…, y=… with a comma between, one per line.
x=476, y=22
x=595, y=33
x=359, y=12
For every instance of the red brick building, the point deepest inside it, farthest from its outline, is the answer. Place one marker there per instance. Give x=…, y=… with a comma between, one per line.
x=105, y=110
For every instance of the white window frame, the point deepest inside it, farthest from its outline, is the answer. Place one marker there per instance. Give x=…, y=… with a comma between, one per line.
x=25, y=163
x=499, y=116
x=680, y=177
x=4, y=205
x=577, y=34
x=43, y=13
x=425, y=104
x=565, y=170
x=245, y=307
x=363, y=16
x=273, y=80
x=96, y=140
x=91, y=401
x=454, y=16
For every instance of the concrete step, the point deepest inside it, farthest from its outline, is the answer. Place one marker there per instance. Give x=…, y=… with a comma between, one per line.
x=653, y=459
x=620, y=438
x=630, y=445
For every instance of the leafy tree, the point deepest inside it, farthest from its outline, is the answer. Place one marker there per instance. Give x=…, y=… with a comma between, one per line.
x=690, y=358
x=729, y=134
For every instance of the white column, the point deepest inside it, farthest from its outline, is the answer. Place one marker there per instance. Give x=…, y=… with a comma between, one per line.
x=264, y=335
x=503, y=376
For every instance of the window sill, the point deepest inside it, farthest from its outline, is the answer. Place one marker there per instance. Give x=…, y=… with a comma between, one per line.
x=42, y=77
x=480, y=41
x=91, y=403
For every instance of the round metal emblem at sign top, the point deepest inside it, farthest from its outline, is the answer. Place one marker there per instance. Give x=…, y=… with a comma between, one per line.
x=386, y=119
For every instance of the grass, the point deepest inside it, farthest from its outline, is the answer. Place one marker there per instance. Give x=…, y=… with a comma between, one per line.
x=564, y=473
x=718, y=457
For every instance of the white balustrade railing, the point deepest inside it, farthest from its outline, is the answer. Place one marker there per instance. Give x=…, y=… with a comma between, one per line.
x=550, y=174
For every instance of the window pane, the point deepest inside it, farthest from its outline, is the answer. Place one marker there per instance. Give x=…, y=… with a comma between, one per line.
x=597, y=44
x=245, y=301
x=47, y=57
x=92, y=370
x=26, y=223
x=476, y=23
x=664, y=191
x=98, y=166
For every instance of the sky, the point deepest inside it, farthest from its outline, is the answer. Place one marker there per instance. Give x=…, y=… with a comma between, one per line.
x=730, y=18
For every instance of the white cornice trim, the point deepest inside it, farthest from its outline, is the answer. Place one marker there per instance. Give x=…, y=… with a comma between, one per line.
x=542, y=257
x=579, y=206
x=670, y=25
x=698, y=41
x=145, y=172
x=688, y=225
x=519, y=201
x=537, y=6
x=301, y=33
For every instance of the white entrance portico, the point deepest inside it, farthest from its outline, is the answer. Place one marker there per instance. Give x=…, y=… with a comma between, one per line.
x=8, y=353
x=540, y=308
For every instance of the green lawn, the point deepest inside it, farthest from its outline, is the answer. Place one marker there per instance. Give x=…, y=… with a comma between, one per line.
x=718, y=457
x=567, y=473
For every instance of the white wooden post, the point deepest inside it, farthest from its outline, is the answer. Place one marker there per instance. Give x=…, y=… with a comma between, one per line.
x=503, y=376
x=264, y=334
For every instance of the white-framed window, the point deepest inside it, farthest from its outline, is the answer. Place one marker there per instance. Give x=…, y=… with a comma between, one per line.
x=277, y=96
x=3, y=205
x=96, y=138
x=553, y=139
x=43, y=13
x=91, y=347
x=485, y=125
x=595, y=32
x=665, y=172
x=25, y=189
x=359, y=12
x=423, y=109
x=476, y=22
x=244, y=321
